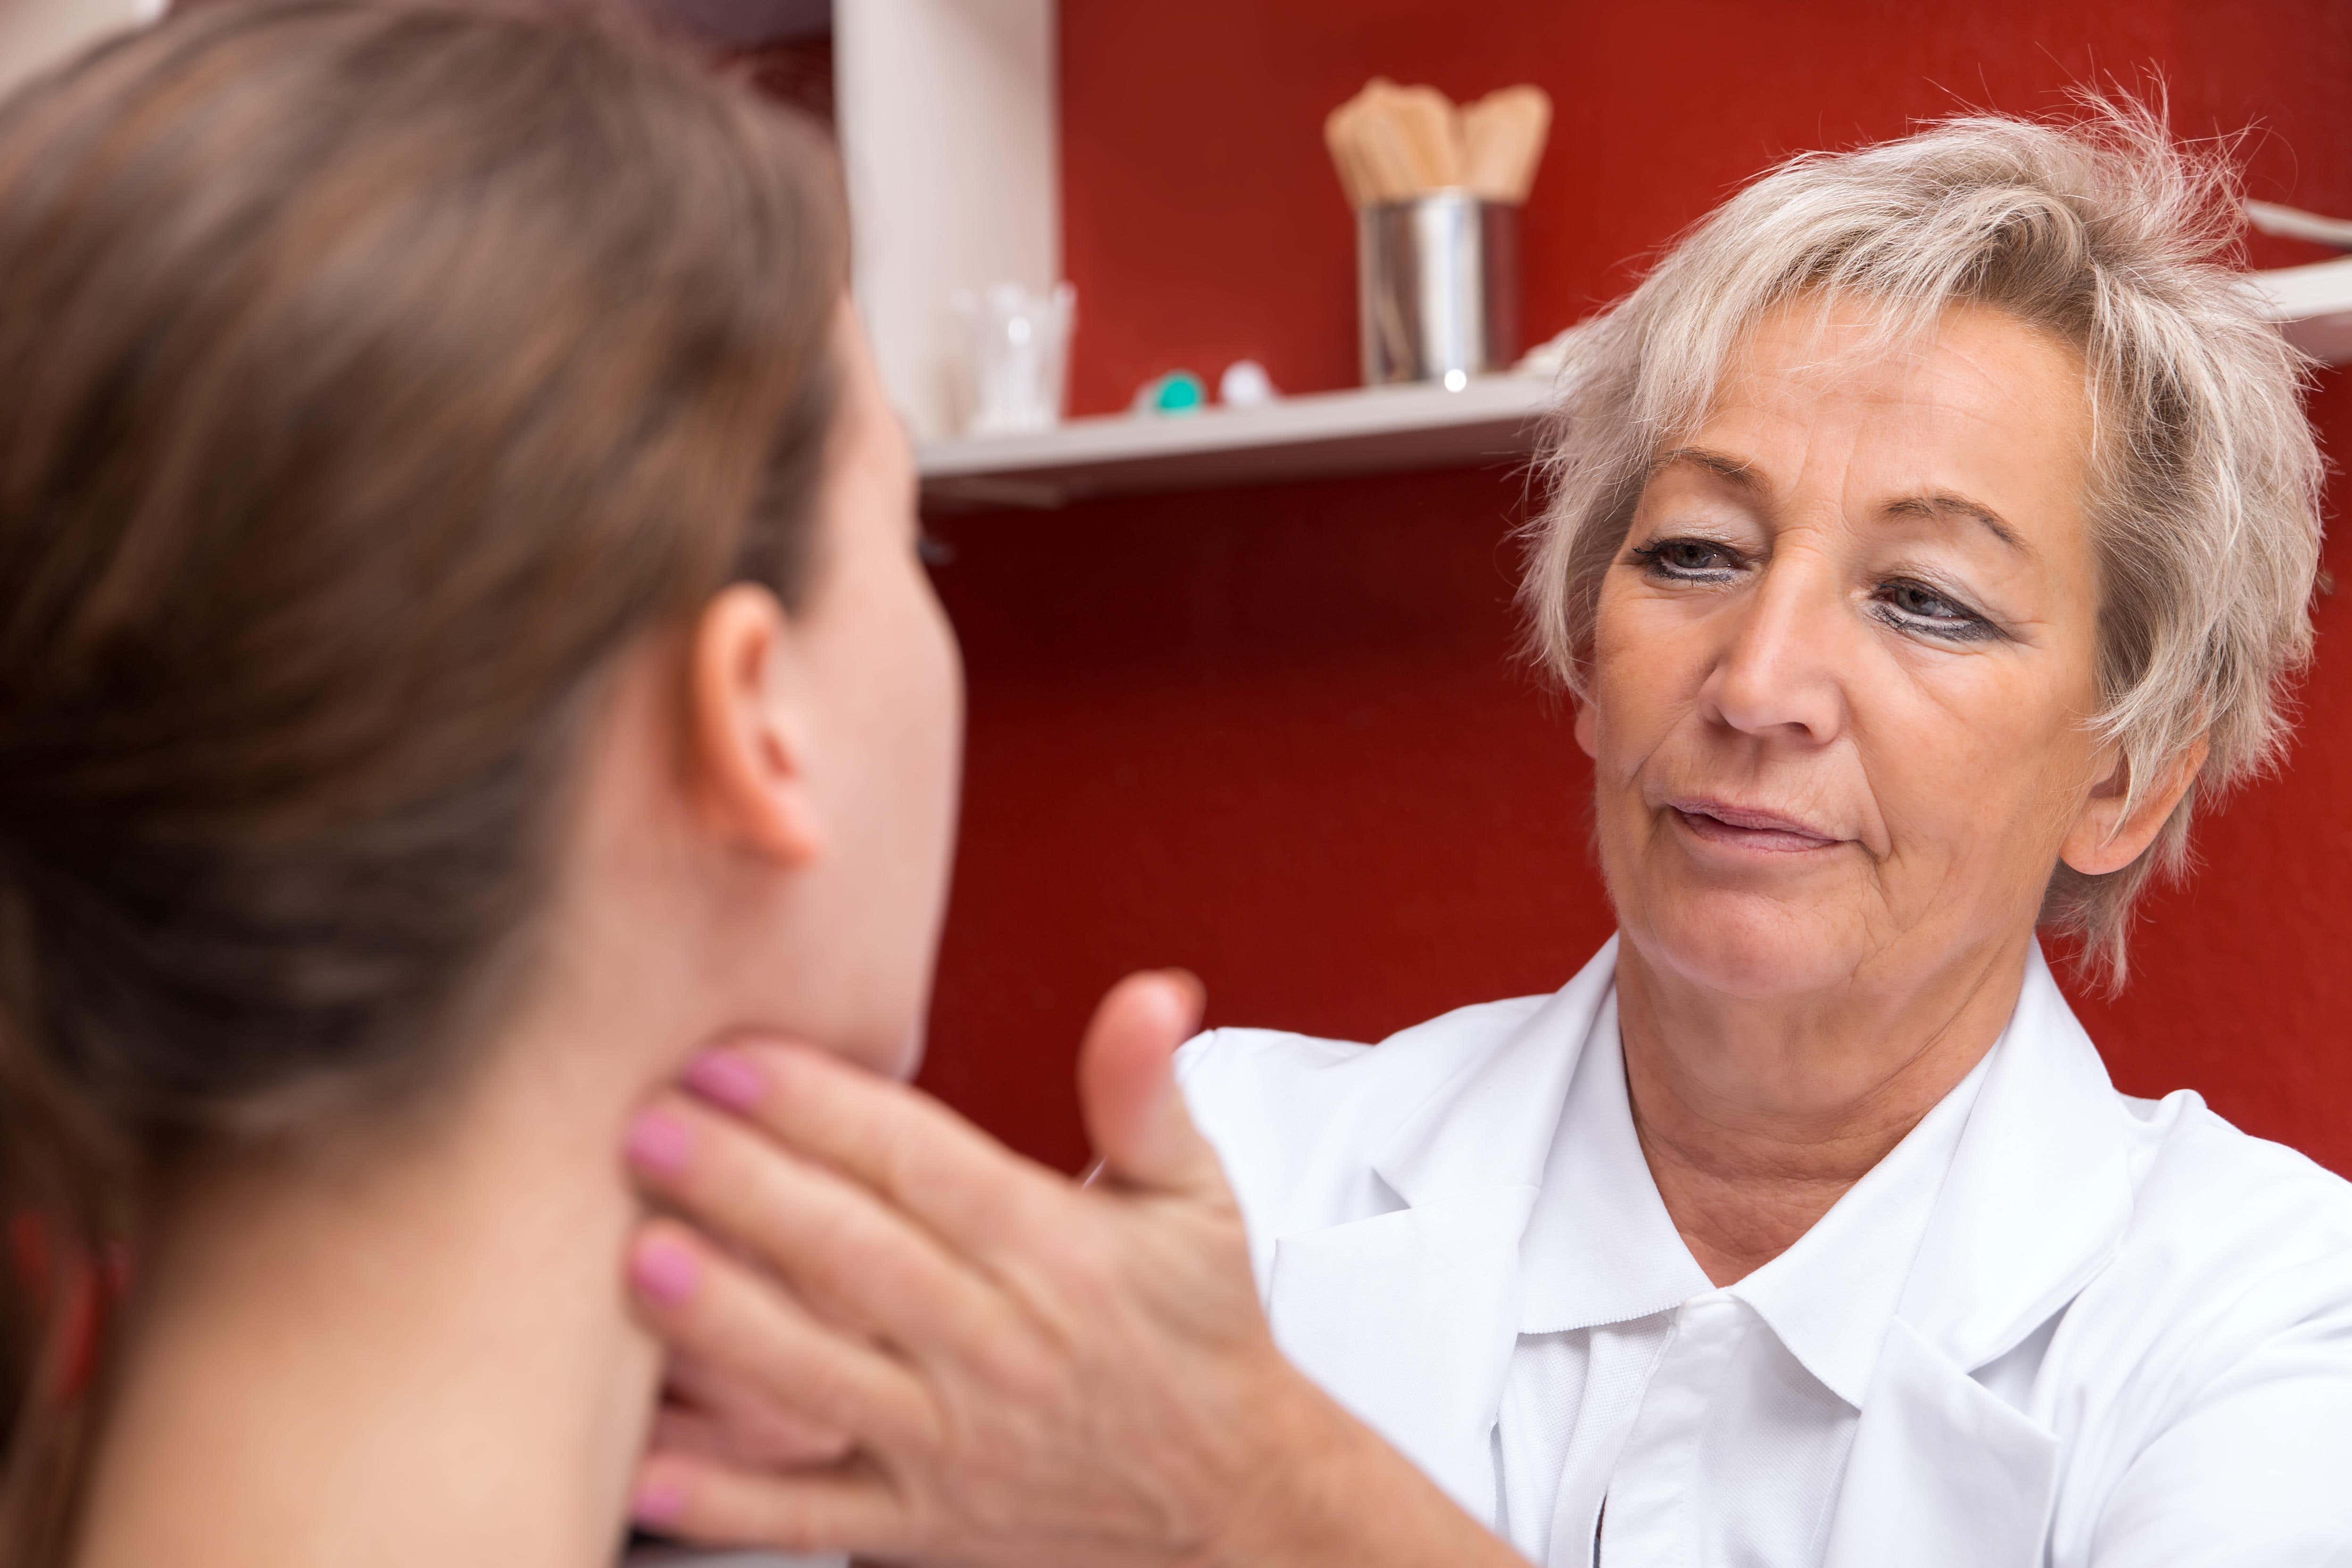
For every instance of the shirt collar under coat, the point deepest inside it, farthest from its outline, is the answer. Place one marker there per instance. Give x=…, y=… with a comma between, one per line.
x=1988, y=1217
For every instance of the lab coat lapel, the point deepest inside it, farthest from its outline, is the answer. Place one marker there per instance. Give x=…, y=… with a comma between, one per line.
x=2037, y=1197
x=1943, y=1474
x=1409, y=1318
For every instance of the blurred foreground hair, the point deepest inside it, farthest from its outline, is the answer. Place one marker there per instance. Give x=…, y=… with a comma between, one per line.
x=376, y=375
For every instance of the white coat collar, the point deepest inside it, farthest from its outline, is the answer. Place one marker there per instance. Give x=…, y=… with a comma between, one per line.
x=1410, y=1317
x=1831, y=1297
x=1599, y=1247
x=2039, y=1189
x=2003, y=1202
x=1490, y=1124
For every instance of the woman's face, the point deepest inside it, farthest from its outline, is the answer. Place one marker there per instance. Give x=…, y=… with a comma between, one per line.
x=1844, y=661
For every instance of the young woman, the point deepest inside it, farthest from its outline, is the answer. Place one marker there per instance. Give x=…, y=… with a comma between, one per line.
x=461, y=647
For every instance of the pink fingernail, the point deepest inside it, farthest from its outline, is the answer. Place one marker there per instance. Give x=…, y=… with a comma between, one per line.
x=731, y=1077
x=664, y=1270
x=658, y=1502
x=659, y=1143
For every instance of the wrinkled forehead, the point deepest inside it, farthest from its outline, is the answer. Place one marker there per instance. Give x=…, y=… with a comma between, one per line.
x=1852, y=345
x=1970, y=393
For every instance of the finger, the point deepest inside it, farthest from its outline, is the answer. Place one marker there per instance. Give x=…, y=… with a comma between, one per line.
x=843, y=1251
x=705, y=1502
x=756, y=1430
x=1134, y=1113
x=976, y=1196
x=685, y=1430
x=706, y=1305
x=691, y=1429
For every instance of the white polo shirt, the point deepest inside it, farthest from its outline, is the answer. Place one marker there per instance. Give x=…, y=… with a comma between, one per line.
x=1629, y=1363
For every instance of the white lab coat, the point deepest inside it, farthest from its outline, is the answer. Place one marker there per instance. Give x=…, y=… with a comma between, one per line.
x=2125, y=1336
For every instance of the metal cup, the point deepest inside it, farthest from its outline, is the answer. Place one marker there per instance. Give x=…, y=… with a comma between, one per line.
x=1437, y=288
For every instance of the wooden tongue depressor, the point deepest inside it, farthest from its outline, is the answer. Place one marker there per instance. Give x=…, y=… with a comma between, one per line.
x=1535, y=134
x=1342, y=137
x=1392, y=172
x=1391, y=143
x=1425, y=118
x=1485, y=148
x=1504, y=136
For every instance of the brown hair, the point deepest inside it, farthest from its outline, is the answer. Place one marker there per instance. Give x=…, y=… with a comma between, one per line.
x=375, y=375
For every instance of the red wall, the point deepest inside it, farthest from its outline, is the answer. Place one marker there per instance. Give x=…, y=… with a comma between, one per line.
x=1278, y=735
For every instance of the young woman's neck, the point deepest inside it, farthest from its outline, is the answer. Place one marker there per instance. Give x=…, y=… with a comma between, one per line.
x=413, y=1347
x=399, y=1355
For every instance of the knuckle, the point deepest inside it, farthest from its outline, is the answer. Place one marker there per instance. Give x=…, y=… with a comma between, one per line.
x=842, y=1258
x=797, y=1228
x=902, y=1161
x=1020, y=1372
x=930, y=1430
x=833, y=1400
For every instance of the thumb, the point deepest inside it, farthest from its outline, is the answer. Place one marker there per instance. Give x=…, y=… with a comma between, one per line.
x=1126, y=1085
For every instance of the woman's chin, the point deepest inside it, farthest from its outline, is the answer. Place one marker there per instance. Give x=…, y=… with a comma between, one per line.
x=1746, y=946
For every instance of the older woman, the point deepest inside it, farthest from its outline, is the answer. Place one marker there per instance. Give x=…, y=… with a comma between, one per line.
x=1930, y=534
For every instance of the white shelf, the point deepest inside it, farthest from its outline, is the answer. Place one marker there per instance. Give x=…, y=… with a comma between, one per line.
x=1367, y=431
x=1385, y=429
x=2313, y=305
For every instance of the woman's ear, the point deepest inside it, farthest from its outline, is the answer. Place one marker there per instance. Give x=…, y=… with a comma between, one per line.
x=747, y=743
x=1588, y=729
x=2105, y=838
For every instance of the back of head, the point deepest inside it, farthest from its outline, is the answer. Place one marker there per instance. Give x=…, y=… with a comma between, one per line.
x=376, y=375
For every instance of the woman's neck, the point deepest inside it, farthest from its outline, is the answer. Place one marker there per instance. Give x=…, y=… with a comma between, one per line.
x=1755, y=1118
x=400, y=1356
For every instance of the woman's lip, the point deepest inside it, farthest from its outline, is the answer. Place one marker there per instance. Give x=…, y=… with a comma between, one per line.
x=1723, y=822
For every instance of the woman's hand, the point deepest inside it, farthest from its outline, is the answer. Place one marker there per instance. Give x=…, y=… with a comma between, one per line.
x=1024, y=1371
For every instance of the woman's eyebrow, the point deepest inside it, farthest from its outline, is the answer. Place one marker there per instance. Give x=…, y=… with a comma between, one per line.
x=1722, y=465
x=1935, y=505
x=1943, y=504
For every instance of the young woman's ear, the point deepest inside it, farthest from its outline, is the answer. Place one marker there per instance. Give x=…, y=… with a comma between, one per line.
x=747, y=746
x=2105, y=837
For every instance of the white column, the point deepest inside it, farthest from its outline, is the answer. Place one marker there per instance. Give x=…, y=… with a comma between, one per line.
x=37, y=34
x=948, y=130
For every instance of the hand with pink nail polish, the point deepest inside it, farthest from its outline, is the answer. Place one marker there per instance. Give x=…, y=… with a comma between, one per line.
x=1025, y=1372
x=724, y=1419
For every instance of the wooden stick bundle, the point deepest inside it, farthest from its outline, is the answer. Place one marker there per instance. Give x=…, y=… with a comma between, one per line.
x=1393, y=143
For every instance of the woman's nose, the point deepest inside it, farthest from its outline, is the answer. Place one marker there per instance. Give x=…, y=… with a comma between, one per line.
x=1781, y=669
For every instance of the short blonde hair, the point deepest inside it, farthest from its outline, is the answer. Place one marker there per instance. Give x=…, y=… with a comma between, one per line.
x=2102, y=229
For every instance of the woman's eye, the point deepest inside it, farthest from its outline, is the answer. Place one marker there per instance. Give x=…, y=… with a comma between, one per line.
x=1915, y=606
x=1686, y=559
